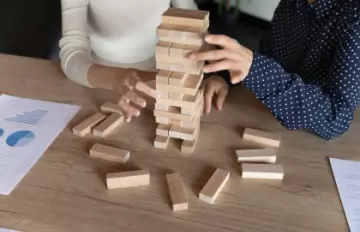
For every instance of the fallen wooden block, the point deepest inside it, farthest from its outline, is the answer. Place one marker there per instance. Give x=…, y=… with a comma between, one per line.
x=85, y=127
x=108, y=125
x=177, y=192
x=263, y=137
x=128, y=179
x=109, y=107
x=262, y=171
x=161, y=142
x=109, y=153
x=256, y=155
x=214, y=186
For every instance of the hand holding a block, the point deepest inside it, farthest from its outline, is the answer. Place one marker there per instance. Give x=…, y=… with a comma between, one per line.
x=233, y=57
x=128, y=83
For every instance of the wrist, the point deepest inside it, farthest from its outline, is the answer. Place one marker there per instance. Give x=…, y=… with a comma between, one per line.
x=102, y=77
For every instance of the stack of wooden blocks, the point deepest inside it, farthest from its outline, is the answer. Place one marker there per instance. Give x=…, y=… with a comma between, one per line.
x=179, y=109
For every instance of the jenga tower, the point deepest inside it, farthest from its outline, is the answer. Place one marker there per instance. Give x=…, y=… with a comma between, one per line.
x=179, y=109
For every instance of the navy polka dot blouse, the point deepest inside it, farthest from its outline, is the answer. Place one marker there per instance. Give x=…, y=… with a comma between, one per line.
x=309, y=76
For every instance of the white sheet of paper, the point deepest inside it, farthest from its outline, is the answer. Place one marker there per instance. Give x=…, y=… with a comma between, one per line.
x=8, y=230
x=27, y=128
x=347, y=178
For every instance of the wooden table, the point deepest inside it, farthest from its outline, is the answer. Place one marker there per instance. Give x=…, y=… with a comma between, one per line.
x=65, y=190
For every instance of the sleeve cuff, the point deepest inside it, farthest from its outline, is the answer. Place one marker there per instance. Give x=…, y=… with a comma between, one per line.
x=255, y=73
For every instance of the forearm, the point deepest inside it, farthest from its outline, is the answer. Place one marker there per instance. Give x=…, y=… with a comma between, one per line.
x=295, y=104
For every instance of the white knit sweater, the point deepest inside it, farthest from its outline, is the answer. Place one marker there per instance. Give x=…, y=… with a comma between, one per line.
x=118, y=33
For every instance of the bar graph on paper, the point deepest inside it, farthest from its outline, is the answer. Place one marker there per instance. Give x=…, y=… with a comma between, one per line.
x=28, y=117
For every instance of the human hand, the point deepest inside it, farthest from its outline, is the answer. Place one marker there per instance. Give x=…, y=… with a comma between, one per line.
x=128, y=83
x=233, y=57
x=215, y=88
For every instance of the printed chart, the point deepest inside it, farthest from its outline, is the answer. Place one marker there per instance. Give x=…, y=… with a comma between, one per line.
x=20, y=138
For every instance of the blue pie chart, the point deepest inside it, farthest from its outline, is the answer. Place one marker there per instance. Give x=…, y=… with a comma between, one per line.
x=1, y=132
x=20, y=138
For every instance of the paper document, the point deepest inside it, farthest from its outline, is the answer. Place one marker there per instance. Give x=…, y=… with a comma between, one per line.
x=27, y=128
x=347, y=178
x=8, y=230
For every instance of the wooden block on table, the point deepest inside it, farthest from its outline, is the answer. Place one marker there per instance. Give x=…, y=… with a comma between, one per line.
x=177, y=192
x=256, y=155
x=85, y=127
x=162, y=65
x=163, y=48
x=262, y=171
x=175, y=132
x=177, y=78
x=109, y=153
x=161, y=142
x=108, y=125
x=163, y=77
x=263, y=137
x=214, y=186
x=128, y=179
x=163, y=130
x=109, y=107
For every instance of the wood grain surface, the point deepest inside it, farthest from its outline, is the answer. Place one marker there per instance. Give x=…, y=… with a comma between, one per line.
x=66, y=191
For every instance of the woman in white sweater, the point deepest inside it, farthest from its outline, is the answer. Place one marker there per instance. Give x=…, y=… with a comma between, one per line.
x=110, y=44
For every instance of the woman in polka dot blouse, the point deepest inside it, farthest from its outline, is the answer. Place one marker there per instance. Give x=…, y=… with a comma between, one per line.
x=309, y=75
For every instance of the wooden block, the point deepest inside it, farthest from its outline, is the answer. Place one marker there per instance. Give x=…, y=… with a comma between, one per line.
x=177, y=49
x=190, y=86
x=262, y=171
x=187, y=40
x=190, y=133
x=109, y=107
x=187, y=101
x=177, y=192
x=163, y=30
x=184, y=21
x=189, y=146
x=162, y=65
x=164, y=93
x=263, y=137
x=161, y=107
x=161, y=142
x=176, y=96
x=175, y=132
x=177, y=78
x=128, y=179
x=85, y=127
x=109, y=153
x=173, y=113
x=214, y=186
x=256, y=155
x=190, y=49
x=108, y=125
x=163, y=130
x=163, y=77
x=163, y=47
x=176, y=67
x=162, y=120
